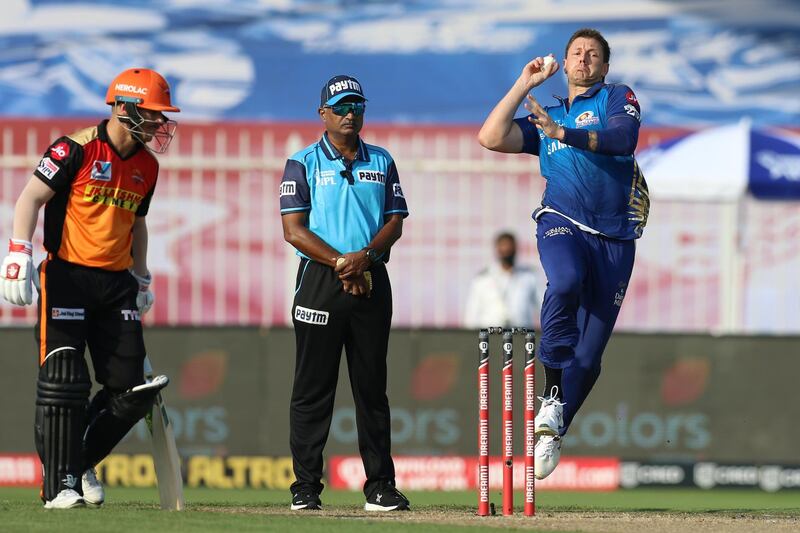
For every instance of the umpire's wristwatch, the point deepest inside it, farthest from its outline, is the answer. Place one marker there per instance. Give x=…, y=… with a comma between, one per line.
x=372, y=255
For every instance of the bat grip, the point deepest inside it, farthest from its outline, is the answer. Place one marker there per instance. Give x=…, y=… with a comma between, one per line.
x=148, y=370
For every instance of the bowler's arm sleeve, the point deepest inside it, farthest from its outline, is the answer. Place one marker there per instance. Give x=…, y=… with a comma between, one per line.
x=530, y=136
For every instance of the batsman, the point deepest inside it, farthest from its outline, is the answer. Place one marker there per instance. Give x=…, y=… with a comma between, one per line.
x=96, y=185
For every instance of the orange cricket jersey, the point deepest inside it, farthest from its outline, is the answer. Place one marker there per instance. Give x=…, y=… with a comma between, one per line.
x=98, y=196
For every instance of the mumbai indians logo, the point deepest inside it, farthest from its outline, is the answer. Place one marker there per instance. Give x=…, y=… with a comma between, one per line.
x=586, y=118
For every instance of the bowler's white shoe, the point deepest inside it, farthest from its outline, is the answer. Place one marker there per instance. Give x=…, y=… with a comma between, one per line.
x=66, y=499
x=546, y=456
x=550, y=417
x=93, y=492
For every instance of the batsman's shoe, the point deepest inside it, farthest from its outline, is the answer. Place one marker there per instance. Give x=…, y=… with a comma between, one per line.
x=66, y=499
x=387, y=498
x=306, y=501
x=546, y=456
x=550, y=417
x=93, y=493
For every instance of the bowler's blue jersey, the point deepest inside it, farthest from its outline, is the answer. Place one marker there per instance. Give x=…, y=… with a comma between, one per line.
x=607, y=193
x=343, y=214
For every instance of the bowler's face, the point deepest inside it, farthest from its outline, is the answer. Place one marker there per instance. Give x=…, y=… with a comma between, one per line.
x=584, y=64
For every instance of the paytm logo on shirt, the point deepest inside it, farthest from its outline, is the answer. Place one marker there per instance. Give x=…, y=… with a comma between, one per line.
x=288, y=188
x=372, y=176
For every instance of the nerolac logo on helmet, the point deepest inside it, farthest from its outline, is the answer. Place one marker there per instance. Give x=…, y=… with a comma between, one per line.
x=131, y=88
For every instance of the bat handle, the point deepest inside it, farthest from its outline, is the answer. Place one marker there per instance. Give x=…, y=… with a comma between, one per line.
x=148, y=369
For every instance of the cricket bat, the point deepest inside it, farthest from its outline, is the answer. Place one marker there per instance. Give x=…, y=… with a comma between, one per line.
x=165, y=452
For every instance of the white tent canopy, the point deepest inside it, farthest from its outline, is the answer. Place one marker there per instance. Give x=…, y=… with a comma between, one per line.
x=708, y=165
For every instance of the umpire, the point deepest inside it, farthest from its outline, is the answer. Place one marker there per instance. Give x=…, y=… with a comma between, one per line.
x=342, y=209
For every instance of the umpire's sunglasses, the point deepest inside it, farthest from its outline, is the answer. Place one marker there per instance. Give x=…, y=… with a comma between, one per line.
x=356, y=108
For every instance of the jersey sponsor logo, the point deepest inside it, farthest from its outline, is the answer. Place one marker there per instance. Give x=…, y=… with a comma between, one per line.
x=632, y=111
x=101, y=170
x=311, y=316
x=559, y=230
x=59, y=151
x=288, y=188
x=372, y=176
x=397, y=191
x=130, y=88
x=629, y=96
x=554, y=146
x=323, y=178
x=67, y=313
x=47, y=168
x=587, y=118
x=113, y=196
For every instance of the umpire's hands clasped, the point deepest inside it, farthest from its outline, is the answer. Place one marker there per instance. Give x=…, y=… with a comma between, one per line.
x=352, y=265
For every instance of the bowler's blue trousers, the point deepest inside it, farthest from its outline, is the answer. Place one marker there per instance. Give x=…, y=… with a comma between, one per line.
x=587, y=277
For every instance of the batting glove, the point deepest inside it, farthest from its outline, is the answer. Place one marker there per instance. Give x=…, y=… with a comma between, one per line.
x=145, y=298
x=16, y=272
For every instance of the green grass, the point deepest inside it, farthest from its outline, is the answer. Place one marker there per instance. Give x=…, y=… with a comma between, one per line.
x=131, y=509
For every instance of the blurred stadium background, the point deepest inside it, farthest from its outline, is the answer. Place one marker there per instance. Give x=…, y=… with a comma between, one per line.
x=698, y=384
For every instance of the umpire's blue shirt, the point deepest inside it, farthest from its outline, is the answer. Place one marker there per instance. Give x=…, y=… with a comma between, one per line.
x=346, y=216
x=606, y=193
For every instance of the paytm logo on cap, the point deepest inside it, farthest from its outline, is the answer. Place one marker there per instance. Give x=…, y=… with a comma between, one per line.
x=338, y=87
x=348, y=84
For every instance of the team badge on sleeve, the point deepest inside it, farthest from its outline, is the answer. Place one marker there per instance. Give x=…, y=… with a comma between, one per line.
x=288, y=188
x=398, y=192
x=47, y=168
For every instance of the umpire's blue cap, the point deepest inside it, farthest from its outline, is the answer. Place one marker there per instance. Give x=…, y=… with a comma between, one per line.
x=338, y=87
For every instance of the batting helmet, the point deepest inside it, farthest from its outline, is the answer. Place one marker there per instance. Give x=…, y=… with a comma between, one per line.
x=141, y=86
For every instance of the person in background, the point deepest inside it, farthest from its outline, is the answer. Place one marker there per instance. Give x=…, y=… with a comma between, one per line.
x=504, y=293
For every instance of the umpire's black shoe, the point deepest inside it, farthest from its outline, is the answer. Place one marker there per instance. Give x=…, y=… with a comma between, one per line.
x=306, y=500
x=387, y=498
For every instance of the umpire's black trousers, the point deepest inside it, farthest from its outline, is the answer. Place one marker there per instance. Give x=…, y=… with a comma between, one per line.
x=326, y=319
